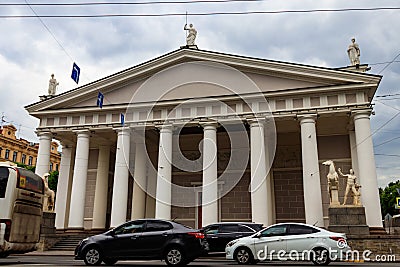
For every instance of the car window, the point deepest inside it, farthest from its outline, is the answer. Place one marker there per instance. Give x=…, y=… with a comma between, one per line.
x=153, y=226
x=228, y=228
x=4, y=172
x=131, y=227
x=296, y=229
x=213, y=229
x=245, y=229
x=277, y=230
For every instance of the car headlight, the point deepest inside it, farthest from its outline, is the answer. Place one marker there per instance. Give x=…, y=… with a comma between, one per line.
x=231, y=243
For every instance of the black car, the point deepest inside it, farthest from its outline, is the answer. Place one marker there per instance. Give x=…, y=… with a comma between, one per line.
x=220, y=234
x=143, y=239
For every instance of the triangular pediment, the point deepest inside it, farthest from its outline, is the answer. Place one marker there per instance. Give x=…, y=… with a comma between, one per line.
x=191, y=73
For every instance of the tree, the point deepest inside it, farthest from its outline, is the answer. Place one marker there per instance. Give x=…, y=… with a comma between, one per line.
x=53, y=180
x=388, y=197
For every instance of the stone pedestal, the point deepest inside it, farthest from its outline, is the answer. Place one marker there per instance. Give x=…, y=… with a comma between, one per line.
x=48, y=236
x=348, y=219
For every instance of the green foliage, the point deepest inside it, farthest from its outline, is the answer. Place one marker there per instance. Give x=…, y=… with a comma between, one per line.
x=388, y=198
x=31, y=168
x=53, y=180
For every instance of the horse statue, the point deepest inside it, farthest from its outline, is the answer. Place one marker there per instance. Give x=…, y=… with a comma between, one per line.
x=333, y=183
x=48, y=203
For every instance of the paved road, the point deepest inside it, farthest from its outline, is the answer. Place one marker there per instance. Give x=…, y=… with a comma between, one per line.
x=67, y=260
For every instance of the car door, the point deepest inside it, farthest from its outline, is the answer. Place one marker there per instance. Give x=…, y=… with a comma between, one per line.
x=126, y=240
x=155, y=237
x=211, y=233
x=271, y=243
x=301, y=237
x=226, y=233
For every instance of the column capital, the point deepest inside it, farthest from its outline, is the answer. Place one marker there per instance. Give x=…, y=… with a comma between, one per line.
x=164, y=127
x=209, y=124
x=361, y=114
x=307, y=118
x=256, y=121
x=41, y=133
x=122, y=129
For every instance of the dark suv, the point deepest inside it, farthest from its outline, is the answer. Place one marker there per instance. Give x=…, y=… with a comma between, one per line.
x=143, y=239
x=220, y=234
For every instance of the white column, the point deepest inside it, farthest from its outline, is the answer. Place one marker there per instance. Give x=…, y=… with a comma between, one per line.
x=258, y=180
x=62, y=187
x=311, y=177
x=163, y=189
x=78, y=194
x=43, y=159
x=101, y=190
x=121, y=176
x=210, y=175
x=366, y=167
x=353, y=151
x=139, y=184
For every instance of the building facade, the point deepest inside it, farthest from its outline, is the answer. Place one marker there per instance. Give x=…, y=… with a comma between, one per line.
x=200, y=137
x=22, y=151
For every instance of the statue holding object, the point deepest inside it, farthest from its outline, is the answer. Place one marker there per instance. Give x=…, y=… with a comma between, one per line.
x=352, y=186
x=48, y=203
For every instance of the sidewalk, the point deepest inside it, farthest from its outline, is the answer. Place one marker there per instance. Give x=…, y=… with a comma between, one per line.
x=50, y=253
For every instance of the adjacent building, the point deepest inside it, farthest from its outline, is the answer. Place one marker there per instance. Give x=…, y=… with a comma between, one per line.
x=201, y=136
x=22, y=151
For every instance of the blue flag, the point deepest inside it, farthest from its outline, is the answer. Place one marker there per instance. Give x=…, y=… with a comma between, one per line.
x=100, y=99
x=76, y=71
x=122, y=118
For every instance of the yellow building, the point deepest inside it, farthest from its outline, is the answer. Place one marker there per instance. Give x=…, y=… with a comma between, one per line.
x=23, y=151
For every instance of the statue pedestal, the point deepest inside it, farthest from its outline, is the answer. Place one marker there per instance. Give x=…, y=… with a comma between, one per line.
x=348, y=219
x=335, y=198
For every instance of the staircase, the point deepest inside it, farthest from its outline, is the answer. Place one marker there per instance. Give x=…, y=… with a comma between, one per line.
x=68, y=243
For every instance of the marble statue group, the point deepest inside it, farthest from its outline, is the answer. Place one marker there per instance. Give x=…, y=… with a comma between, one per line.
x=49, y=196
x=333, y=185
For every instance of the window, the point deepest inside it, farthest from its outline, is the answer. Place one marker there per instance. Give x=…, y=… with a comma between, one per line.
x=153, y=226
x=15, y=154
x=1, y=150
x=130, y=228
x=212, y=230
x=51, y=167
x=278, y=230
x=30, y=161
x=228, y=228
x=296, y=229
x=245, y=229
x=56, y=167
x=3, y=181
x=7, y=155
x=23, y=159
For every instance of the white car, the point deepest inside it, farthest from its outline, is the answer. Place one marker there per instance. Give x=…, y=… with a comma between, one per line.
x=289, y=241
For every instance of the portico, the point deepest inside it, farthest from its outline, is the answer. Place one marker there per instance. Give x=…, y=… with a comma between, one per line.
x=209, y=137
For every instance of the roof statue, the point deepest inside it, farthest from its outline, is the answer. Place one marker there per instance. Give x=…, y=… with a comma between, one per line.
x=354, y=53
x=191, y=37
x=52, y=85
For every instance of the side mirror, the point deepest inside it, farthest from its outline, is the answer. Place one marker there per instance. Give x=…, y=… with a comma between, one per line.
x=258, y=235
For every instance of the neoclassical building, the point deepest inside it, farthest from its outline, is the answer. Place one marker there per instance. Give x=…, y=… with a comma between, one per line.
x=22, y=151
x=206, y=137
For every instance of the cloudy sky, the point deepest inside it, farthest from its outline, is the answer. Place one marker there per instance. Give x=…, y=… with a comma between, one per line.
x=32, y=48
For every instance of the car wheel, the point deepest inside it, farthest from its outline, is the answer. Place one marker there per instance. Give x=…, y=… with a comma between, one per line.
x=110, y=261
x=92, y=256
x=320, y=256
x=4, y=254
x=174, y=256
x=243, y=255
